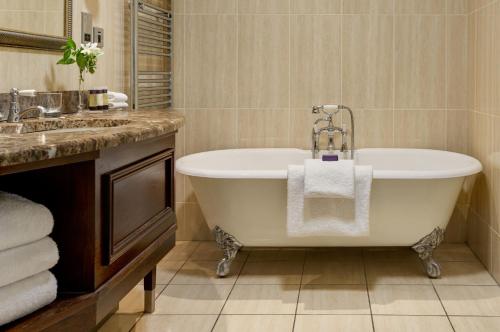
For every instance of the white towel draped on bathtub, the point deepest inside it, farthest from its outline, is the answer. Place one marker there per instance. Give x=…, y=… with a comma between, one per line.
x=329, y=179
x=25, y=296
x=328, y=216
x=22, y=221
x=24, y=261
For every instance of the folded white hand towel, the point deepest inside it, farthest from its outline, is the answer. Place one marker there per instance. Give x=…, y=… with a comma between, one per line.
x=22, y=221
x=115, y=105
x=27, y=260
x=26, y=296
x=329, y=179
x=117, y=96
x=328, y=216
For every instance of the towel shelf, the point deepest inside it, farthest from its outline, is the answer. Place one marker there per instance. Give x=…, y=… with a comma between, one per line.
x=151, y=37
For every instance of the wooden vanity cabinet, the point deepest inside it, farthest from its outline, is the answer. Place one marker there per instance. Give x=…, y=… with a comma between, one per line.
x=114, y=221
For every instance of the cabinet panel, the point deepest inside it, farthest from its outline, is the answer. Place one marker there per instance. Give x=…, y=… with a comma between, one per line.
x=138, y=199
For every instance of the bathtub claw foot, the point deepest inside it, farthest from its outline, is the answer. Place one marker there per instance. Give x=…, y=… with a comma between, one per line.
x=230, y=246
x=425, y=247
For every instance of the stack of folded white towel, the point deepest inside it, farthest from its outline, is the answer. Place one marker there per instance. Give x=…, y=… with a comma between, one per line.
x=26, y=255
x=117, y=100
x=328, y=198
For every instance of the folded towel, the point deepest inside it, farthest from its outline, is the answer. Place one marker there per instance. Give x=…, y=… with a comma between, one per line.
x=117, y=96
x=329, y=179
x=115, y=105
x=26, y=296
x=27, y=260
x=328, y=216
x=22, y=221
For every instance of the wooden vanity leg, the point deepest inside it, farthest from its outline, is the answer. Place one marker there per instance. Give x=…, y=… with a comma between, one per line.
x=149, y=291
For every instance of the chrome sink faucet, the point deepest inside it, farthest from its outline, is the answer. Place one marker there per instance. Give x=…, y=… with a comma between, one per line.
x=16, y=114
x=330, y=111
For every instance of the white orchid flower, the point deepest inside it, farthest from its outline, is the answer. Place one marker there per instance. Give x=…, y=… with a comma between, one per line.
x=91, y=49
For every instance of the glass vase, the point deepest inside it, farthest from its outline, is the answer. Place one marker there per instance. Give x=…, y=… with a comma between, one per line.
x=81, y=91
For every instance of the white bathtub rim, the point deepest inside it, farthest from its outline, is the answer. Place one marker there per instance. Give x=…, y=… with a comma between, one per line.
x=185, y=166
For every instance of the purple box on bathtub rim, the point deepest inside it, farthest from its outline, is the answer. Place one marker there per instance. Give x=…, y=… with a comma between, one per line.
x=330, y=157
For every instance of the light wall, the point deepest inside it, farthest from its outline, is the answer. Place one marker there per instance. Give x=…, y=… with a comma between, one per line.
x=33, y=69
x=484, y=136
x=248, y=71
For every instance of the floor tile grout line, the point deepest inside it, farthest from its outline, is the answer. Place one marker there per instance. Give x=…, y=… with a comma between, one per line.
x=328, y=314
x=298, y=294
x=166, y=285
x=442, y=305
x=368, y=291
x=229, y=294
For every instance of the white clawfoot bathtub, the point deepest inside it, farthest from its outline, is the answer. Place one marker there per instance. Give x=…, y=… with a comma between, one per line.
x=243, y=191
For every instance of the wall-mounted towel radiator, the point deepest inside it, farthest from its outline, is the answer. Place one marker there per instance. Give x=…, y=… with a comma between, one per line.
x=151, y=40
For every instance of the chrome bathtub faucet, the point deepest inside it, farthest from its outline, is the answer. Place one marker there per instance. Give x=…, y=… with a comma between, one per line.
x=330, y=111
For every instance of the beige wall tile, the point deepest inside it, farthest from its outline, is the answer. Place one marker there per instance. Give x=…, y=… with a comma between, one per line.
x=420, y=6
x=471, y=61
x=263, y=128
x=481, y=149
x=316, y=6
x=479, y=239
x=210, y=6
x=323, y=323
x=456, y=62
x=456, y=231
x=404, y=300
x=457, y=131
x=368, y=6
x=457, y=7
x=179, y=69
x=367, y=81
x=210, y=129
x=249, y=323
x=301, y=123
x=263, y=6
x=193, y=226
x=315, y=60
x=373, y=128
x=495, y=166
x=179, y=6
x=488, y=77
x=420, y=128
x=263, y=58
x=495, y=253
x=477, y=4
x=412, y=323
x=199, y=323
x=211, y=61
x=466, y=324
x=420, y=62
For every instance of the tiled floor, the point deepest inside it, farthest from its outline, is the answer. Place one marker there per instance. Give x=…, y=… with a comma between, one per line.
x=315, y=290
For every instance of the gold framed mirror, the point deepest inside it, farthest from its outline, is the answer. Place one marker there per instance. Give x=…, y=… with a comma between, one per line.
x=35, y=24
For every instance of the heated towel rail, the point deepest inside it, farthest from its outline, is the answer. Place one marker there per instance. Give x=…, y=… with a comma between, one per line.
x=151, y=40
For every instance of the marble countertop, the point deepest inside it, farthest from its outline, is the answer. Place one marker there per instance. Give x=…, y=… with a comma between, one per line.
x=42, y=139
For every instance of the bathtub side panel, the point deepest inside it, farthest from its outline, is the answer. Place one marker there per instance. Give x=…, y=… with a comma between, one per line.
x=254, y=211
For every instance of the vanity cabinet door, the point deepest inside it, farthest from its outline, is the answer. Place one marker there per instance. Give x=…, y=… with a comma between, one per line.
x=138, y=204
